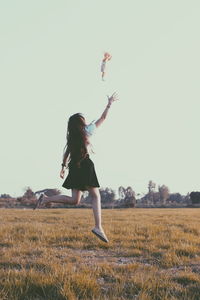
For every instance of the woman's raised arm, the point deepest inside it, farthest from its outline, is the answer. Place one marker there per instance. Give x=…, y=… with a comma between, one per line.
x=105, y=112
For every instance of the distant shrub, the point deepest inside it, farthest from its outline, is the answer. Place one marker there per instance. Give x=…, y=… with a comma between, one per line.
x=195, y=197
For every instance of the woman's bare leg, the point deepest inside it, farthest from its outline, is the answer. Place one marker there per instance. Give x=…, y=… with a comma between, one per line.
x=96, y=206
x=74, y=199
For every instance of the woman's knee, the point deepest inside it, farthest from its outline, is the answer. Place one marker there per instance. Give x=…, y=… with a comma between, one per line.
x=94, y=193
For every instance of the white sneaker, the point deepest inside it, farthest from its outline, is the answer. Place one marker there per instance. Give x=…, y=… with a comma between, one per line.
x=100, y=234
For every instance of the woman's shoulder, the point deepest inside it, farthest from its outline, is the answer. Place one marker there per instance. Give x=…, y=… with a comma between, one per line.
x=90, y=128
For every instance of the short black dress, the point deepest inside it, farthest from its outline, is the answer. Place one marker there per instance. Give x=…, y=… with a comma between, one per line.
x=81, y=177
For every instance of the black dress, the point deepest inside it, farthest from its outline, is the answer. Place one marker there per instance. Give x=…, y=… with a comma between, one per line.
x=81, y=177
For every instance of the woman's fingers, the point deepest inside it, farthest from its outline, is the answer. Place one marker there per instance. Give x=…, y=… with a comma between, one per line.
x=62, y=173
x=115, y=97
x=112, y=98
x=114, y=94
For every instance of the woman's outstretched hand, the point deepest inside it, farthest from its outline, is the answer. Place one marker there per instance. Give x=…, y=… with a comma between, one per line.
x=62, y=173
x=112, y=98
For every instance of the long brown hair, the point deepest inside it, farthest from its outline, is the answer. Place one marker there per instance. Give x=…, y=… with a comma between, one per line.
x=77, y=140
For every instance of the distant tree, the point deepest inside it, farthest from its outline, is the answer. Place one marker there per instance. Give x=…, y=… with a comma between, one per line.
x=195, y=197
x=164, y=193
x=122, y=192
x=187, y=199
x=19, y=199
x=176, y=197
x=5, y=196
x=129, y=199
x=28, y=193
x=156, y=197
x=107, y=195
x=151, y=188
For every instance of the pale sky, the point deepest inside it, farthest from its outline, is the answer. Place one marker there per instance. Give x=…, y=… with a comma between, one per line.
x=50, y=60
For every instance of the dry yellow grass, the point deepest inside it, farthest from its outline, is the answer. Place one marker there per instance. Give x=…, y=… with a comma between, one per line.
x=52, y=255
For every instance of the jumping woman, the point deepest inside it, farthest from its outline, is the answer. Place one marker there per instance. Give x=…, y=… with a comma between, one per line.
x=81, y=175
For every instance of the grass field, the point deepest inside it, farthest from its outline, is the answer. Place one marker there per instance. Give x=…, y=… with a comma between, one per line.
x=52, y=255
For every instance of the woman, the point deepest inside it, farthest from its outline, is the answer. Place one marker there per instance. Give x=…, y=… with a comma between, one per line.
x=82, y=175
